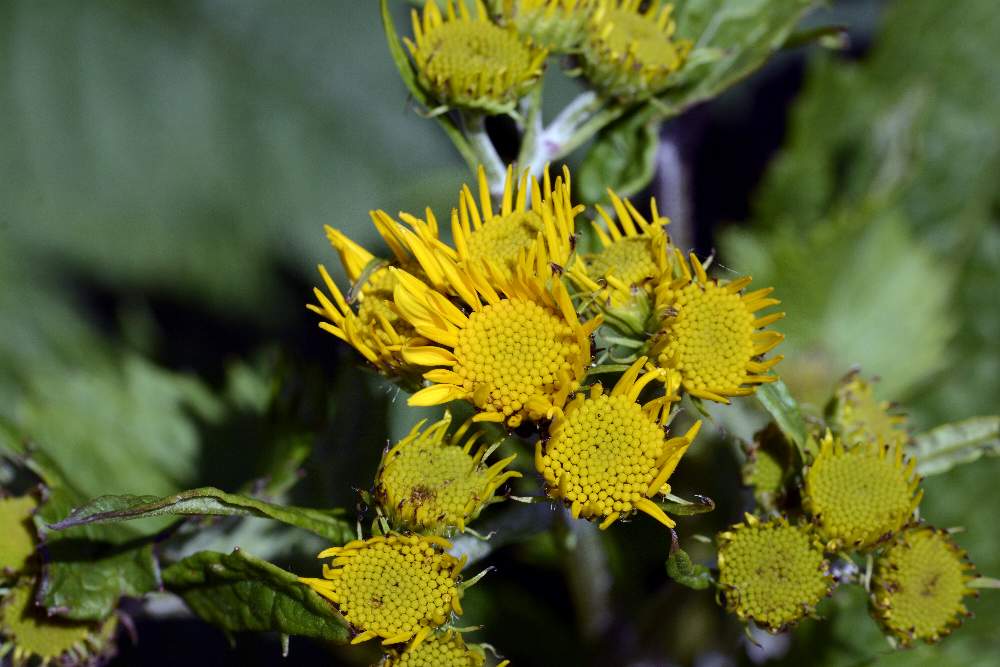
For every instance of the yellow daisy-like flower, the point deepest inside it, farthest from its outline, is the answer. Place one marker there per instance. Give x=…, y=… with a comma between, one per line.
x=860, y=417
x=517, y=355
x=395, y=587
x=19, y=537
x=919, y=585
x=558, y=25
x=606, y=456
x=772, y=573
x=429, y=482
x=710, y=333
x=629, y=51
x=543, y=225
x=446, y=649
x=30, y=637
x=470, y=62
x=860, y=496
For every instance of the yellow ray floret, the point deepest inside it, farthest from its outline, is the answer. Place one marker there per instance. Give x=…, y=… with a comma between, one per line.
x=607, y=455
x=858, y=416
x=859, y=497
x=429, y=482
x=469, y=62
x=396, y=587
x=531, y=218
x=919, y=586
x=517, y=355
x=772, y=573
x=630, y=51
x=558, y=25
x=710, y=333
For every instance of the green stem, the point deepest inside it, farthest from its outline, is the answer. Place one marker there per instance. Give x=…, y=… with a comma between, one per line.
x=587, y=573
x=485, y=152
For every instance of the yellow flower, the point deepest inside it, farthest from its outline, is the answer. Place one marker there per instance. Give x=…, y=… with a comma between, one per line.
x=558, y=25
x=919, y=585
x=860, y=417
x=630, y=52
x=395, y=587
x=469, y=62
x=860, y=496
x=428, y=482
x=446, y=649
x=710, y=334
x=19, y=538
x=29, y=636
x=517, y=355
x=543, y=225
x=771, y=572
x=606, y=456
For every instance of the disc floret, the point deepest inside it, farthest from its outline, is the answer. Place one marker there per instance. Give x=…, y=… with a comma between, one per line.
x=772, y=572
x=395, y=587
x=860, y=496
x=710, y=334
x=468, y=62
x=607, y=455
x=429, y=482
x=444, y=648
x=920, y=583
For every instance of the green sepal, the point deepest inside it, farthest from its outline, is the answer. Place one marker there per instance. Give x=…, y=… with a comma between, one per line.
x=681, y=569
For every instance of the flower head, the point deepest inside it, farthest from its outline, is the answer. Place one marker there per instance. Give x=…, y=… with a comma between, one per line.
x=860, y=417
x=607, y=455
x=30, y=636
x=709, y=333
x=769, y=464
x=533, y=219
x=395, y=587
x=919, y=585
x=470, y=62
x=629, y=51
x=859, y=496
x=558, y=25
x=771, y=572
x=517, y=355
x=19, y=537
x=446, y=648
x=429, y=482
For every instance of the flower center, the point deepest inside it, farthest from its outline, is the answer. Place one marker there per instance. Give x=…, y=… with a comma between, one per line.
x=448, y=649
x=629, y=259
x=463, y=51
x=772, y=572
x=395, y=587
x=711, y=338
x=511, y=351
x=925, y=584
x=604, y=454
x=503, y=237
x=433, y=483
x=643, y=35
x=859, y=495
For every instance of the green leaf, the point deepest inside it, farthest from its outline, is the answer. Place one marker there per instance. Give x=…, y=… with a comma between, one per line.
x=207, y=501
x=239, y=592
x=681, y=569
x=942, y=448
x=778, y=401
x=399, y=57
x=622, y=157
x=681, y=507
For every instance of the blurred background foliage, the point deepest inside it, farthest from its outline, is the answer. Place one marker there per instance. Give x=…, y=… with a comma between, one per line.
x=165, y=172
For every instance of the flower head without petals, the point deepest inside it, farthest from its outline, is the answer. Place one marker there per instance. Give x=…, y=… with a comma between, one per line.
x=919, y=585
x=469, y=62
x=517, y=355
x=860, y=496
x=772, y=572
x=558, y=25
x=429, y=482
x=395, y=587
x=607, y=455
x=445, y=649
x=710, y=334
x=858, y=416
x=629, y=51
x=19, y=536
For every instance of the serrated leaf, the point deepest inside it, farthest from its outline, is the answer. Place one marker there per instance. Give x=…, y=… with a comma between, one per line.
x=622, y=157
x=942, y=448
x=681, y=569
x=207, y=501
x=778, y=401
x=239, y=593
